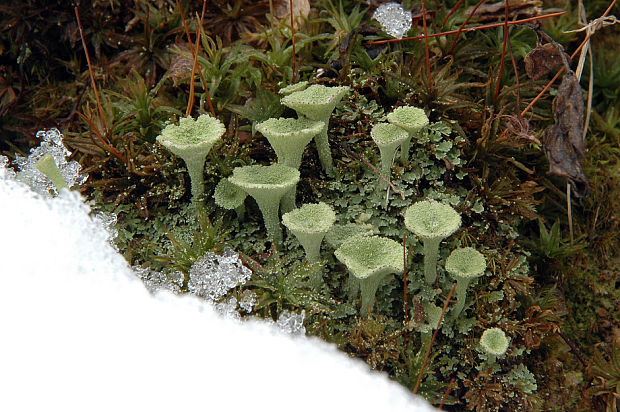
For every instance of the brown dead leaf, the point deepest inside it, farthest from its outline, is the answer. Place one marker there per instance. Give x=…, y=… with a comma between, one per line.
x=301, y=10
x=180, y=68
x=542, y=60
x=563, y=142
x=491, y=12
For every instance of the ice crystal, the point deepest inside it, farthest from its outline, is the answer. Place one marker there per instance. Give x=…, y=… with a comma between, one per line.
x=394, y=19
x=5, y=171
x=291, y=322
x=154, y=280
x=108, y=222
x=248, y=300
x=228, y=308
x=51, y=142
x=212, y=276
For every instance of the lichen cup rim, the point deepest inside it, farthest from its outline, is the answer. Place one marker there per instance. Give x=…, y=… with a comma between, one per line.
x=290, y=176
x=212, y=133
x=395, y=134
x=305, y=225
x=395, y=118
x=415, y=219
x=362, y=271
x=476, y=263
x=330, y=95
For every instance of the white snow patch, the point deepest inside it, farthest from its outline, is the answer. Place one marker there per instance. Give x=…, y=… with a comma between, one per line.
x=79, y=332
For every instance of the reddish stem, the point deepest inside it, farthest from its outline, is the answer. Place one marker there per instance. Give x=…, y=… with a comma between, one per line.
x=190, y=100
x=428, y=350
x=456, y=6
x=90, y=71
x=583, y=43
x=292, y=37
x=426, y=52
x=501, y=65
x=467, y=30
x=464, y=24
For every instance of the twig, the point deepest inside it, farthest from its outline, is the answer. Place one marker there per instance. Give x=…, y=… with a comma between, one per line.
x=405, y=280
x=583, y=43
x=469, y=29
x=456, y=6
x=110, y=148
x=446, y=393
x=501, y=65
x=460, y=30
x=514, y=67
x=426, y=52
x=90, y=71
x=428, y=350
x=190, y=100
x=574, y=349
x=367, y=163
x=292, y=38
x=570, y=213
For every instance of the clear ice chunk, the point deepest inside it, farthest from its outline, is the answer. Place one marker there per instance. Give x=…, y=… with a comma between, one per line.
x=212, y=276
x=394, y=19
x=291, y=322
x=51, y=142
x=248, y=300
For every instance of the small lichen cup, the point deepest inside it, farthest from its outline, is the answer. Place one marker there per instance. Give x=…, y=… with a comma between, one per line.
x=432, y=222
x=464, y=264
x=494, y=342
x=229, y=196
x=310, y=223
x=412, y=119
x=387, y=137
x=267, y=185
x=369, y=260
x=192, y=140
x=317, y=102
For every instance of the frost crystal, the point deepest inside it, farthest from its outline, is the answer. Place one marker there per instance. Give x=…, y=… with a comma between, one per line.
x=291, y=322
x=51, y=142
x=212, y=276
x=248, y=300
x=5, y=172
x=154, y=280
x=228, y=308
x=394, y=19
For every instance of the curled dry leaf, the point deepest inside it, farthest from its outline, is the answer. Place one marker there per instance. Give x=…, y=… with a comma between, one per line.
x=542, y=60
x=563, y=142
x=301, y=10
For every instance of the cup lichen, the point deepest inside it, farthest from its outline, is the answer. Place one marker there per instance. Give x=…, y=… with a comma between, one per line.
x=412, y=119
x=317, y=102
x=464, y=264
x=370, y=259
x=432, y=222
x=267, y=185
x=387, y=137
x=192, y=140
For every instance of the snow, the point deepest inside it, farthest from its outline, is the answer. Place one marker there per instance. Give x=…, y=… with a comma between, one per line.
x=80, y=332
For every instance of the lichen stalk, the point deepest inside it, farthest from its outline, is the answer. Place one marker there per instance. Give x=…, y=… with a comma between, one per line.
x=271, y=220
x=431, y=252
x=461, y=295
x=322, y=147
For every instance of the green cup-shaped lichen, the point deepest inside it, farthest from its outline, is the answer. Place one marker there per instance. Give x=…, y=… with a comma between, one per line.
x=494, y=342
x=317, y=102
x=291, y=88
x=387, y=137
x=267, y=185
x=192, y=140
x=412, y=120
x=309, y=224
x=432, y=222
x=49, y=168
x=289, y=137
x=370, y=260
x=464, y=264
x=230, y=196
